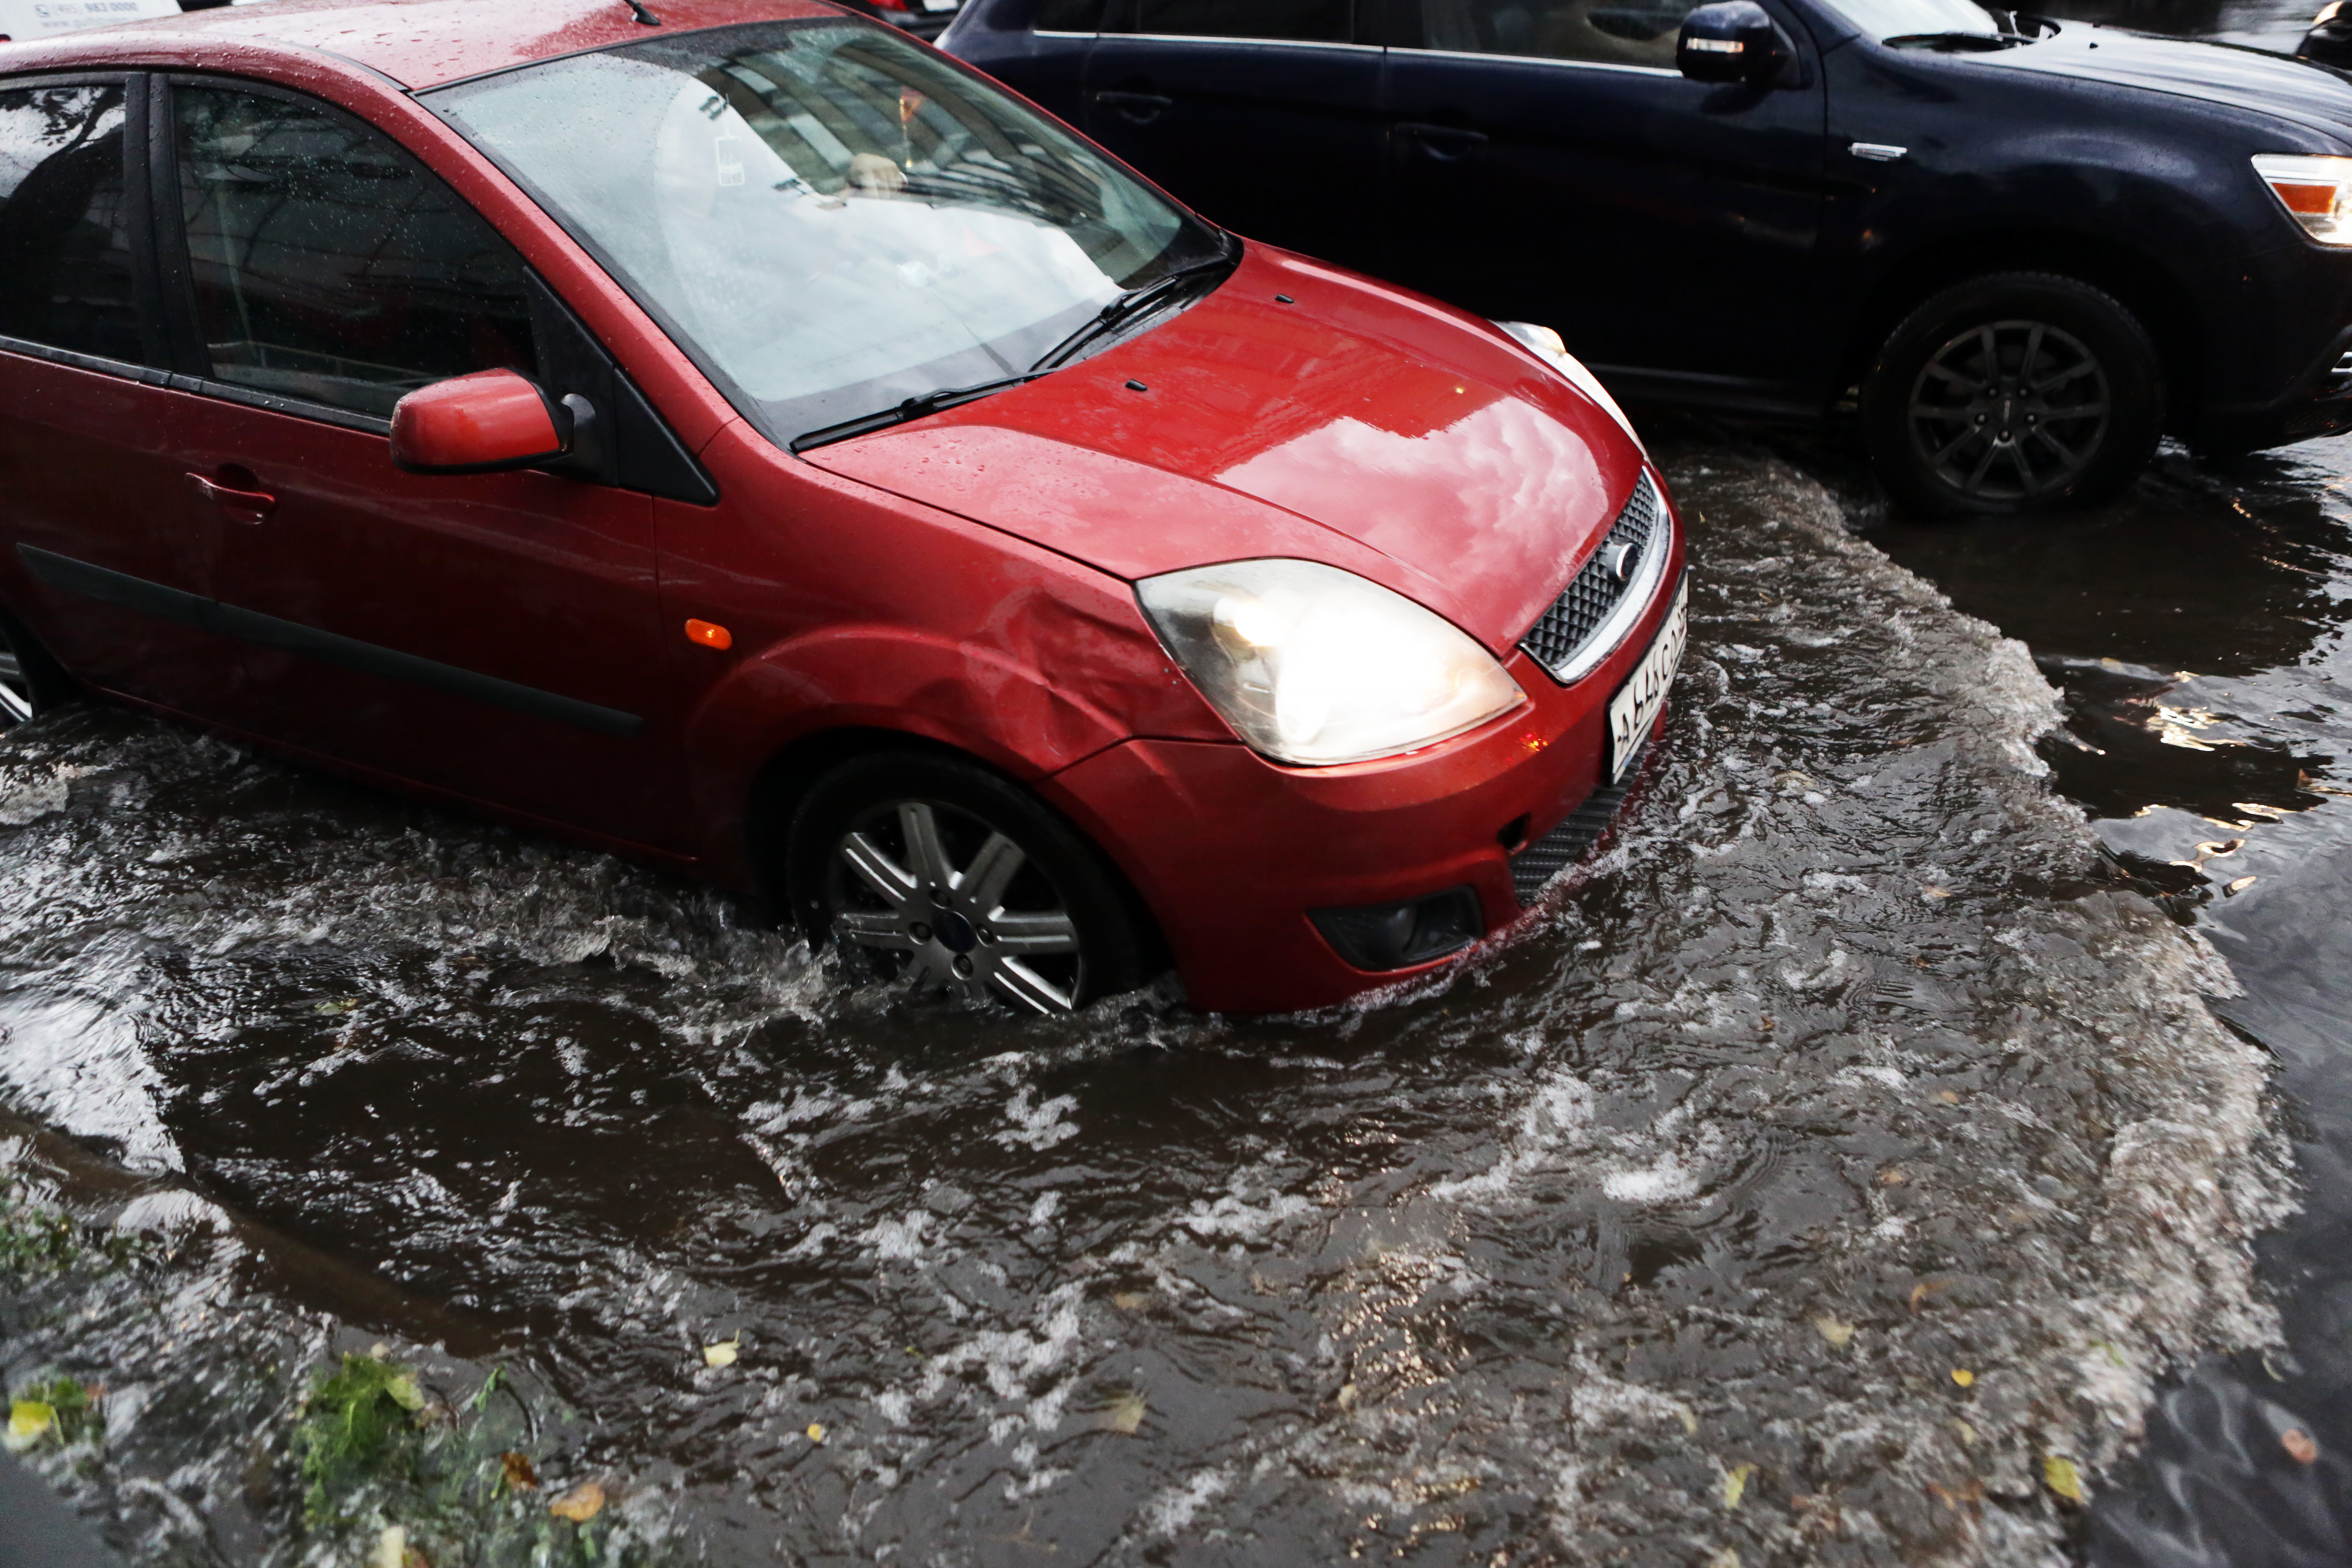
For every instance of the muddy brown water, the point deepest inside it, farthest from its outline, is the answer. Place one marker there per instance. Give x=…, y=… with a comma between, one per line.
x=1655, y=1235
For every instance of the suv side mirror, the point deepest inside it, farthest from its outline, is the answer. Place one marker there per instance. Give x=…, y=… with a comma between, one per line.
x=480, y=424
x=2329, y=41
x=1730, y=40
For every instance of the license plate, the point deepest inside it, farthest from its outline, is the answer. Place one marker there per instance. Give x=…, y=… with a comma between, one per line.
x=1635, y=707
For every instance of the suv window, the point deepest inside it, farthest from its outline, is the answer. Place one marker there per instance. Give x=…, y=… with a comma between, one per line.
x=1307, y=21
x=1069, y=17
x=65, y=229
x=330, y=267
x=1615, y=32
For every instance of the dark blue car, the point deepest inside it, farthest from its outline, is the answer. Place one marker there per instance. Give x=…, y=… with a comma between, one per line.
x=2021, y=248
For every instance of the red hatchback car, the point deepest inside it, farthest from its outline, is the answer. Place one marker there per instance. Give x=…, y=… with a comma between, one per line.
x=739, y=436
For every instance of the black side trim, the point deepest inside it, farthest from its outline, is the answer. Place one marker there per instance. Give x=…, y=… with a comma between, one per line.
x=328, y=647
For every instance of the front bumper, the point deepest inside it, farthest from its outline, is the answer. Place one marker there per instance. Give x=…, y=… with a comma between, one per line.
x=1232, y=851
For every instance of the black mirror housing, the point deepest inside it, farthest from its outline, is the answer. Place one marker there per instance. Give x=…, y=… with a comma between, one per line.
x=1730, y=40
x=2329, y=41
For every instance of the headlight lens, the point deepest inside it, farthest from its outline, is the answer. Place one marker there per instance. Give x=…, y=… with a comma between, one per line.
x=2315, y=192
x=1546, y=343
x=1313, y=665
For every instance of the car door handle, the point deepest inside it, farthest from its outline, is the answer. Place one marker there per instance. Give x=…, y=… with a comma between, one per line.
x=242, y=505
x=1142, y=108
x=1444, y=142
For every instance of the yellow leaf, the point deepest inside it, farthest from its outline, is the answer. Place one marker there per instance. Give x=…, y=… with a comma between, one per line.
x=1735, y=1484
x=1963, y=1376
x=1839, y=1335
x=2062, y=1477
x=1130, y=1300
x=1124, y=1413
x=29, y=1421
x=2230, y=889
x=816, y=1431
x=723, y=1353
x=520, y=1475
x=1727, y=1558
x=390, y=1549
x=580, y=1504
x=1968, y=1433
x=404, y=1391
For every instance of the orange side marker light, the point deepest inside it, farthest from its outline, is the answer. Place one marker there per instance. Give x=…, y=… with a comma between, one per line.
x=710, y=634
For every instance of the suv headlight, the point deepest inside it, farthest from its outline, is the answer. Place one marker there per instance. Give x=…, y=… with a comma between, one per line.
x=1313, y=665
x=2315, y=192
x=1548, y=343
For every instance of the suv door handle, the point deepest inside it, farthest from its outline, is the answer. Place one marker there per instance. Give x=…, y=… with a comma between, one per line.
x=1140, y=107
x=1444, y=142
x=242, y=505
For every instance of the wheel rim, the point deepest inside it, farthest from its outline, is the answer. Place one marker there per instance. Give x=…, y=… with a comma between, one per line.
x=940, y=897
x=15, y=691
x=2010, y=411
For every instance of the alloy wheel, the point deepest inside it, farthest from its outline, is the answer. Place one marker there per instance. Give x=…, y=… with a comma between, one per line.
x=16, y=689
x=2010, y=411
x=943, y=898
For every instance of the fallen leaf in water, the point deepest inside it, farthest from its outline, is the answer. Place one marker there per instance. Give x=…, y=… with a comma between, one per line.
x=2298, y=1443
x=2212, y=849
x=1932, y=892
x=1124, y=1414
x=580, y=1504
x=390, y=1549
x=1925, y=1288
x=1947, y=1097
x=1735, y=1484
x=1892, y=1176
x=521, y=1474
x=2256, y=808
x=723, y=1353
x=1727, y=1558
x=1346, y=1397
x=1968, y=1433
x=2231, y=889
x=1130, y=1300
x=1839, y=1335
x=338, y=1005
x=2062, y=1477
x=29, y=1421
x=816, y=1431
x=1963, y=1376
x=404, y=1391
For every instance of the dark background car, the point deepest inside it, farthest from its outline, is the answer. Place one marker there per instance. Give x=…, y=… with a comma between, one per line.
x=2020, y=249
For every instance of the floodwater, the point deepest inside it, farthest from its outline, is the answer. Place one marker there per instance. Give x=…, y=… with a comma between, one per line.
x=1849, y=1064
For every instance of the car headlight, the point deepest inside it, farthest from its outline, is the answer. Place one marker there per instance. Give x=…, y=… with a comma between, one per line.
x=1546, y=343
x=1313, y=665
x=2315, y=192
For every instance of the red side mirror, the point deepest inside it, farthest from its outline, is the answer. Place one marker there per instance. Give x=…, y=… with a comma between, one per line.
x=479, y=424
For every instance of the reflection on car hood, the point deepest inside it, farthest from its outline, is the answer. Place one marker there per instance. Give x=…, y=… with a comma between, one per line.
x=2221, y=73
x=1360, y=425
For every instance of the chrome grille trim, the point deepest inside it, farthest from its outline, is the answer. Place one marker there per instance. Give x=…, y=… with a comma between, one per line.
x=1595, y=612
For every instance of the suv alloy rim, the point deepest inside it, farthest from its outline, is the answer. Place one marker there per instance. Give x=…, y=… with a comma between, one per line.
x=2009, y=410
x=992, y=925
x=16, y=690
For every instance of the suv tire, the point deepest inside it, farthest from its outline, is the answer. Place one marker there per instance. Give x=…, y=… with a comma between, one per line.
x=2017, y=392
x=939, y=871
x=31, y=682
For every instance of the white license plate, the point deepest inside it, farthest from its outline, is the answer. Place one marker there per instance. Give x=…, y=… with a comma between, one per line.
x=1635, y=707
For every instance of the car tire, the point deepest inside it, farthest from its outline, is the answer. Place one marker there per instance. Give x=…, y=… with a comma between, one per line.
x=2018, y=392
x=936, y=871
x=31, y=682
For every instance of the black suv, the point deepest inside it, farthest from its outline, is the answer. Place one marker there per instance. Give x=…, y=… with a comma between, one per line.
x=2025, y=247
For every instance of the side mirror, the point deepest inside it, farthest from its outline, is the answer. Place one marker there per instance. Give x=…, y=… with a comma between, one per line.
x=2329, y=41
x=1730, y=40
x=479, y=424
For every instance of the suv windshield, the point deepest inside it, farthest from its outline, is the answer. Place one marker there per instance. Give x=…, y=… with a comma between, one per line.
x=1884, y=19
x=828, y=218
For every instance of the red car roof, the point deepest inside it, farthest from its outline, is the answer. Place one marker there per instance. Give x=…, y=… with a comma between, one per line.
x=425, y=43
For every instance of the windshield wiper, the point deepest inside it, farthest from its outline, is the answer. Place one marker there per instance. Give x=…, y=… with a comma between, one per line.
x=1979, y=41
x=912, y=408
x=1128, y=306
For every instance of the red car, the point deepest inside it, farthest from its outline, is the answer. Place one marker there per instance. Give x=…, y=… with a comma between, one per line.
x=739, y=436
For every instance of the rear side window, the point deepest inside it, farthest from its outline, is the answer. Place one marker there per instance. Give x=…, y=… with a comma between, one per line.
x=1617, y=32
x=1306, y=21
x=65, y=225
x=329, y=266
x=1069, y=16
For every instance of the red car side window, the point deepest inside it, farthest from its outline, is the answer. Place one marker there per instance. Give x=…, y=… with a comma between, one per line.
x=65, y=246
x=329, y=265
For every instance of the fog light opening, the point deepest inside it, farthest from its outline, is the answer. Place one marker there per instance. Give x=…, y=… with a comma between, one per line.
x=1401, y=934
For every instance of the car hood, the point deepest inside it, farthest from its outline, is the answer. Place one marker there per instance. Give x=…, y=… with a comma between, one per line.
x=2252, y=80
x=1356, y=425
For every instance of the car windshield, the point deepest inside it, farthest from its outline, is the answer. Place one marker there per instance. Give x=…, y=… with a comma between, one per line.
x=828, y=218
x=1884, y=19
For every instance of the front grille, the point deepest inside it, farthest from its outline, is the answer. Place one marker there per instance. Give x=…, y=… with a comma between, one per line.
x=1555, y=641
x=1533, y=868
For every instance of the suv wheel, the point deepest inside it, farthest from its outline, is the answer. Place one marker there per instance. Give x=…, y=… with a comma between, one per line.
x=948, y=876
x=30, y=680
x=2013, y=393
